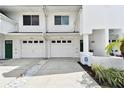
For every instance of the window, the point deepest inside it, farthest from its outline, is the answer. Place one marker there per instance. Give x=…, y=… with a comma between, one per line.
x=41, y=41
x=58, y=41
x=24, y=41
x=35, y=20
x=30, y=20
x=57, y=20
x=35, y=41
x=69, y=41
x=29, y=41
x=63, y=41
x=65, y=20
x=26, y=20
x=113, y=40
x=92, y=41
x=53, y=41
x=61, y=20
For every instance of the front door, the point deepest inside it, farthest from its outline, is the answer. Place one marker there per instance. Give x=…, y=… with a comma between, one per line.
x=8, y=49
x=81, y=45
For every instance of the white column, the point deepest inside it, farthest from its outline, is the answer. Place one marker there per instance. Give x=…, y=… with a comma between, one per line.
x=106, y=36
x=106, y=40
x=46, y=49
x=16, y=48
x=81, y=21
x=85, y=43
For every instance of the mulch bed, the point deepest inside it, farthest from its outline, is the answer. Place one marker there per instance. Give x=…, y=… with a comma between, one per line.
x=91, y=73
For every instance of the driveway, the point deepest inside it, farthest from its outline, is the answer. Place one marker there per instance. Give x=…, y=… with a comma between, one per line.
x=11, y=69
x=39, y=73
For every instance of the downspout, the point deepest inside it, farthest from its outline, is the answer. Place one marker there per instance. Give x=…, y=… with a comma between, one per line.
x=44, y=35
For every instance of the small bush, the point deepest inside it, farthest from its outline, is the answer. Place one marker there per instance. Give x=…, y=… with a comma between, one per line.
x=110, y=77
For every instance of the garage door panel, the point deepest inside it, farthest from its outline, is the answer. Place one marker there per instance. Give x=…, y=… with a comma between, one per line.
x=32, y=49
x=63, y=49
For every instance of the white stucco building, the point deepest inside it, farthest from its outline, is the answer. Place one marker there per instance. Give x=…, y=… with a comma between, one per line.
x=58, y=31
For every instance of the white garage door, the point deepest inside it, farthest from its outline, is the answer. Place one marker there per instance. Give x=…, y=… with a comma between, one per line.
x=62, y=48
x=32, y=48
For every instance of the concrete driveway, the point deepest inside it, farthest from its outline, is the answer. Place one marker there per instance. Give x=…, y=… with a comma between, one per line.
x=39, y=73
x=11, y=69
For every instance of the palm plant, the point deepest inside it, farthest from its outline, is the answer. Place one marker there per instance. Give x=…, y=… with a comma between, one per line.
x=119, y=44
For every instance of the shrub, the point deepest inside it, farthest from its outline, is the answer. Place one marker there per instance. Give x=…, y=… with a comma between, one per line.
x=110, y=77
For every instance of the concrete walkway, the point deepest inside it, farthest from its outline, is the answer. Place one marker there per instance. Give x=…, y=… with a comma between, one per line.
x=53, y=73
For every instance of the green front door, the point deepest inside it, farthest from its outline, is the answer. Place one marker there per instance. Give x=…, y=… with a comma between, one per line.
x=8, y=49
x=81, y=45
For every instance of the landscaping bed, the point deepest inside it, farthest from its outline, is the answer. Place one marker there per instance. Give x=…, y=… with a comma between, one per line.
x=101, y=80
x=89, y=71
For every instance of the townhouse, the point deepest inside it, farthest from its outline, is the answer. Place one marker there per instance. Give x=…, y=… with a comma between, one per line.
x=46, y=31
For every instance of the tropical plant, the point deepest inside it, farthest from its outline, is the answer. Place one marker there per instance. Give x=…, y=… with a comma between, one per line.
x=110, y=77
x=119, y=44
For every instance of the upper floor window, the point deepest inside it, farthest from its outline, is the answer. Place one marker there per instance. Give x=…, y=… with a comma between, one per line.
x=61, y=20
x=30, y=20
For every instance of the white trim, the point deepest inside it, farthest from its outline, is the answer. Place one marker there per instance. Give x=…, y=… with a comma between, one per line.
x=16, y=34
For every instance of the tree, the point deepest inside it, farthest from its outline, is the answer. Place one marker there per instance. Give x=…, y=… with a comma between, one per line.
x=119, y=44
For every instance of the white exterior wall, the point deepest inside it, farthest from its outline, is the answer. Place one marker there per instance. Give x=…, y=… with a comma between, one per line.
x=17, y=44
x=98, y=42
x=108, y=62
x=77, y=47
x=92, y=17
x=18, y=16
x=2, y=47
x=102, y=17
x=61, y=28
x=7, y=25
x=39, y=28
x=73, y=17
x=77, y=22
